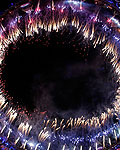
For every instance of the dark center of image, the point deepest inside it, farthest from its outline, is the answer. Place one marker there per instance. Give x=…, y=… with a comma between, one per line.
x=59, y=73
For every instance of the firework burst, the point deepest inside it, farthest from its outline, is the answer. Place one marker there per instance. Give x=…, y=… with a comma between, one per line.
x=16, y=123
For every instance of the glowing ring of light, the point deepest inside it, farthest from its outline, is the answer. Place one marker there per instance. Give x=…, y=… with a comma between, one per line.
x=33, y=24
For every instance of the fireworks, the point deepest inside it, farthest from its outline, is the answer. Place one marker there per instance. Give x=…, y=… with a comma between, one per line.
x=55, y=20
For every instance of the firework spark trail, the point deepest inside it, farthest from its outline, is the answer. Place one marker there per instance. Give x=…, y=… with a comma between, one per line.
x=3, y=129
x=25, y=128
x=16, y=141
x=9, y=133
x=109, y=141
x=93, y=31
x=63, y=147
x=49, y=144
x=43, y=135
x=12, y=114
x=2, y=101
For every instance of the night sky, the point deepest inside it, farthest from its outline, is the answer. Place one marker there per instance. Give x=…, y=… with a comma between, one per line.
x=60, y=74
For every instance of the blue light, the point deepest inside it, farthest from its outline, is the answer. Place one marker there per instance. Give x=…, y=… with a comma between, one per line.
x=116, y=38
x=73, y=2
x=110, y=2
x=3, y=141
x=117, y=5
x=11, y=148
x=6, y=144
x=116, y=21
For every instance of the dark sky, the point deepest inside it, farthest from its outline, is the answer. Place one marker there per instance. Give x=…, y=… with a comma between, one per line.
x=55, y=78
x=6, y=4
